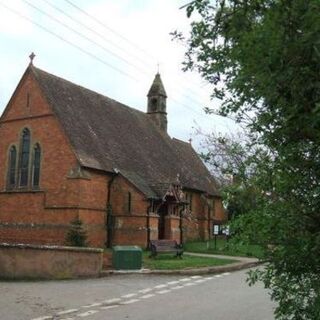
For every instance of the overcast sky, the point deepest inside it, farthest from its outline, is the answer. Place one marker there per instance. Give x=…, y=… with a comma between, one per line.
x=109, y=46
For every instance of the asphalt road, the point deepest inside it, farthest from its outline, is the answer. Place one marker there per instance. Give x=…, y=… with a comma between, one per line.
x=137, y=297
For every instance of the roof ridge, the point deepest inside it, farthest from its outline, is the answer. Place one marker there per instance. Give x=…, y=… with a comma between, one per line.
x=179, y=140
x=36, y=69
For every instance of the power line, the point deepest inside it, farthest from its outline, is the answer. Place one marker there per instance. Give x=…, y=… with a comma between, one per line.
x=187, y=107
x=101, y=36
x=110, y=29
x=121, y=36
x=68, y=42
x=96, y=43
x=81, y=35
x=90, y=54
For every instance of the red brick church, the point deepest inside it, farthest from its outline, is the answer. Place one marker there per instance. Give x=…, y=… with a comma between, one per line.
x=67, y=152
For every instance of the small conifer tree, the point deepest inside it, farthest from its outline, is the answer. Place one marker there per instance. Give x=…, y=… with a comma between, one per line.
x=76, y=235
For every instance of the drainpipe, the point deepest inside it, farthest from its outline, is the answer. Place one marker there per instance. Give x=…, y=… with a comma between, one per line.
x=109, y=222
x=148, y=223
x=209, y=214
x=180, y=225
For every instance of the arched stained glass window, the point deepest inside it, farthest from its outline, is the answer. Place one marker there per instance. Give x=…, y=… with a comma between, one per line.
x=24, y=158
x=12, y=167
x=36, y=165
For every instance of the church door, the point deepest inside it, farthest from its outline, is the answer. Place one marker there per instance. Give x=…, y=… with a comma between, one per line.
x=163, y=211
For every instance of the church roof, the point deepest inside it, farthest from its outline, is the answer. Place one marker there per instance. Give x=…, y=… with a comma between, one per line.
x=106, y=134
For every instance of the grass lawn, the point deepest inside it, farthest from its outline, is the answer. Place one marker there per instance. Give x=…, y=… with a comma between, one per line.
x=170, y=262
x=225, y=248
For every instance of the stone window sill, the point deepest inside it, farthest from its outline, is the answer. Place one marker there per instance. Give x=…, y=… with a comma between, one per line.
x=22, y=191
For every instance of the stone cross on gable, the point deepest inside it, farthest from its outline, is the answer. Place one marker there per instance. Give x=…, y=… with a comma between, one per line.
x=31, y=56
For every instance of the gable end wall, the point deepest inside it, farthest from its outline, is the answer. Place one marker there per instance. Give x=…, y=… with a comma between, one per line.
x=27, y=215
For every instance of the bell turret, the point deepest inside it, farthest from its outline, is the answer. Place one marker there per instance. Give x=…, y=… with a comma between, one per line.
x=157, y=103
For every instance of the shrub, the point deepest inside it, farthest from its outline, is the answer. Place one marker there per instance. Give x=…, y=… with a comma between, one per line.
x=76, y=235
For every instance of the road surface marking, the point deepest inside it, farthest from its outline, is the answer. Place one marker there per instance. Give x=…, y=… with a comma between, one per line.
x=146, y=296
x=185, y=279
x=130, y=301
x=190, y=284
x=200, y=280
x=98, y=304
x=160, y=286
x=177, y=287
x=145, y=290
x=111, y=300
x=163, y=291
x=66, y=311
x=88, y=313
x=197, y=278
x=109, y=307
x=130, y=295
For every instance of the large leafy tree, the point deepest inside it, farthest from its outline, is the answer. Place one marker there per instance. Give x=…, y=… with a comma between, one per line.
x=263, y=59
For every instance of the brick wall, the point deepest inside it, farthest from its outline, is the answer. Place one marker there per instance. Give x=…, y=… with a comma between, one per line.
x=67, y=191
x=41, y=262
x=130, y=220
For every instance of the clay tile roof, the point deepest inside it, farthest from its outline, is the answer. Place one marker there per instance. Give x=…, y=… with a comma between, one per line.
x=106, y=134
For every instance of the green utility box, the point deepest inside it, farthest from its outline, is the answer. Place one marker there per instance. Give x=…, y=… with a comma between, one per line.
x=126, y=258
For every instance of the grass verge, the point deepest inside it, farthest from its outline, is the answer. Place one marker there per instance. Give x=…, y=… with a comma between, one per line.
x=170, y=262
x=225, y=248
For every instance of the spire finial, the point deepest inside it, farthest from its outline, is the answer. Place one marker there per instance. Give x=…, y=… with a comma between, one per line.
x=158, y=67
x=31, y=56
